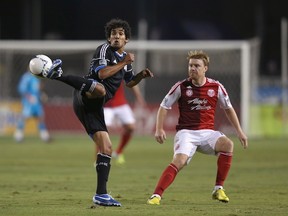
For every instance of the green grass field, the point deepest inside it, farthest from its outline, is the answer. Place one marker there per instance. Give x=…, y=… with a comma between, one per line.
x=59, y=179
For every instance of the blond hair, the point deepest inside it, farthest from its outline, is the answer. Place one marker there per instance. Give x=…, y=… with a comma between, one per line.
x=199, y=54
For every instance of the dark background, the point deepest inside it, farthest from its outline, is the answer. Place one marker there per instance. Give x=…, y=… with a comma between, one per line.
x=167, y=20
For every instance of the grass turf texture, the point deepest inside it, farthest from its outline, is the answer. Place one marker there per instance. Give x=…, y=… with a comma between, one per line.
x=59, y=179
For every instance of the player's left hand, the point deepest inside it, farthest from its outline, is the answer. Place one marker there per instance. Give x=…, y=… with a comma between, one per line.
x=243, y=140
x=146, y=73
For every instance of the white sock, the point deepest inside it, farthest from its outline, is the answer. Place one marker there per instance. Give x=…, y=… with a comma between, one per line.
x=156, y=195
x=217, y=187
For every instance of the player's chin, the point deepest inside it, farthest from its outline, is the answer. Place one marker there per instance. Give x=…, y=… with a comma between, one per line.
x=192, y=75
x=116, y=45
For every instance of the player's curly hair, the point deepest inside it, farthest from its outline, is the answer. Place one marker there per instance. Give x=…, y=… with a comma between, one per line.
x=199, y=54
x=117, y=23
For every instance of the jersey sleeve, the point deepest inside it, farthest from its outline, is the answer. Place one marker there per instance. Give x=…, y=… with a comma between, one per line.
x=129, y=73
x=23, y=84
x=224, y=100
x=172, y=96
x=101, y=59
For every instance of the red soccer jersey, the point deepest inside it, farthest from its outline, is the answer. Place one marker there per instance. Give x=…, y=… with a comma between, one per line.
x=119, y=98
x=196, y=104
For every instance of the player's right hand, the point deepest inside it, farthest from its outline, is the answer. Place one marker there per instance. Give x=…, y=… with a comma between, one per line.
x=147, y=73
x=129, y=58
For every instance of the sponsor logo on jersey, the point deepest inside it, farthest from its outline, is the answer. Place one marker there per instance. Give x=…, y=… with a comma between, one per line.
x=103, y=62
x=199, y=104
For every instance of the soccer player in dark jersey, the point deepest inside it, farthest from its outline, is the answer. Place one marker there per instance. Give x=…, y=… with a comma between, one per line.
x=197, y=97
x=109, y=66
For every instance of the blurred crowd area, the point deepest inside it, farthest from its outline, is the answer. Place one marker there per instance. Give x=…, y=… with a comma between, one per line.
x=207, y=20
x=261, y=109
x=169, y=20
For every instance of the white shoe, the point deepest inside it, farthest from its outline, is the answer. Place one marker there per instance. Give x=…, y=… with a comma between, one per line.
x=44, y=135
x=18, y=135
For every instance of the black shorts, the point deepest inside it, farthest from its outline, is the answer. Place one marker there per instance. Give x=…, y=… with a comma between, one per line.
x=90, y=112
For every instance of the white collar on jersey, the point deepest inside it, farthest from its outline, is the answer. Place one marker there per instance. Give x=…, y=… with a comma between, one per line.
x=121, y=55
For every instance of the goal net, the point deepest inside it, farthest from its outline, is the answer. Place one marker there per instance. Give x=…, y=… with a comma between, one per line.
x=233, y=63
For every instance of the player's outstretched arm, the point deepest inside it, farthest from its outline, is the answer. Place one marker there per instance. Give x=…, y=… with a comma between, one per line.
x=160, y=134
x=232, y=116
x=146, y=73
x=110, y=70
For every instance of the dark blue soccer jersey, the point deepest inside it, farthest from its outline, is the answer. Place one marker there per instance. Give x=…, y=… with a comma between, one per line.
x=104, y=56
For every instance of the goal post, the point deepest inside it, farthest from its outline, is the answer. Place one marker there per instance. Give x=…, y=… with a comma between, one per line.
x=234, y=63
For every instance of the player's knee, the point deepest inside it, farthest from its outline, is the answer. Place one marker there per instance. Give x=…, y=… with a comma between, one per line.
x=224, y=144
x=229, y=145
x=129, y=128
x=99, y=90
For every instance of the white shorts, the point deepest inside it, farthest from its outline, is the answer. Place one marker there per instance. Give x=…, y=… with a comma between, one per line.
x=189, y=141
x=122, y=113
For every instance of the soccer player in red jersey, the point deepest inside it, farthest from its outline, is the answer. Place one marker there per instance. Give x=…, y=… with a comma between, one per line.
x=197, y=97
x=118, y=108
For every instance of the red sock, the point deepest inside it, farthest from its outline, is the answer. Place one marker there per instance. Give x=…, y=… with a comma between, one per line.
x=224, y=164
x=123, y=142
x=166, y=179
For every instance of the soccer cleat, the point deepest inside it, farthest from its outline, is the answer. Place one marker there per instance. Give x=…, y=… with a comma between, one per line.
x=105, y=200
x=220, y=195
x=55, y=71
x=154, y=200
x=120, y=160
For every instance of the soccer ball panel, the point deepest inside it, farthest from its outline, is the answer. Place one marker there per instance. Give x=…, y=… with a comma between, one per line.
x=36, y=66
x=40, y=65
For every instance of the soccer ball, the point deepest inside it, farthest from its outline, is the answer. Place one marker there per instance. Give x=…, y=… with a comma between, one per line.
x=40, y=65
